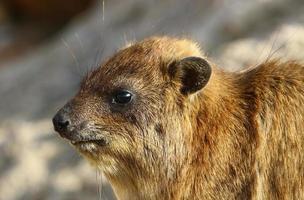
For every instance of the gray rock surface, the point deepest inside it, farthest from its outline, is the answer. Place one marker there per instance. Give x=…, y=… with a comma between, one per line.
x=34, y=162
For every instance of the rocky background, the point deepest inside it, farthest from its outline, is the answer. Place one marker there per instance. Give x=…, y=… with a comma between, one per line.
x=46, y=49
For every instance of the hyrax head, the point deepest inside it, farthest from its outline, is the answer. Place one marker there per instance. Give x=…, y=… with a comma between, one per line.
x=133, y=112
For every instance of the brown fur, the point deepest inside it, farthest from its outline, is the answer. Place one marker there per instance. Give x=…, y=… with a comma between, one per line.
x=240, y=137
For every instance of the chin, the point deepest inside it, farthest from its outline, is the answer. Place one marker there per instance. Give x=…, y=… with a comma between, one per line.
x=97, y=155
x=103, y=162
x=89, y=150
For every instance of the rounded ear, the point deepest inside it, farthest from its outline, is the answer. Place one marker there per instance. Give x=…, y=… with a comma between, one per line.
x=192, y=72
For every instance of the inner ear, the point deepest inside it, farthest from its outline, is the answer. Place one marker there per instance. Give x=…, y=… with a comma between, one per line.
x=193, y=73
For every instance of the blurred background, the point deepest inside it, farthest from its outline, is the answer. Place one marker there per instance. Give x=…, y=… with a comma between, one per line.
x=46, y=46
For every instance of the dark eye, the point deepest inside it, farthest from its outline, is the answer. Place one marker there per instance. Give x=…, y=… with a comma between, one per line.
x=122, y=97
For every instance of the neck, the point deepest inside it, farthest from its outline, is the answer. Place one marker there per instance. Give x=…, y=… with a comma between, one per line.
x=218, y=138
x=123, y=188
x=223, y=134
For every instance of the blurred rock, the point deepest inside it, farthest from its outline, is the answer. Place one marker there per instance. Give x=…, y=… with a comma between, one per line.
x=34, y=162
x=284, y=43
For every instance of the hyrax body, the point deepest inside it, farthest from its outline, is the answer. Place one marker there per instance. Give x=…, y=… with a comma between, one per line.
x=162, y=122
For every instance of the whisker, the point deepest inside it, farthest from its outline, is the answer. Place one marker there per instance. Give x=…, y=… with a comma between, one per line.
x=103, y=10
x=76, y=61
x=80, y=42
x=98, y=57
x=99, y=183
x=95, y=61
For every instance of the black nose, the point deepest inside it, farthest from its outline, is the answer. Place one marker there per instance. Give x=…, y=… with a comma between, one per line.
x=61, y=121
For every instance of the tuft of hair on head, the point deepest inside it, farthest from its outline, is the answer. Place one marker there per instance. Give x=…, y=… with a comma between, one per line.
x=174, y=48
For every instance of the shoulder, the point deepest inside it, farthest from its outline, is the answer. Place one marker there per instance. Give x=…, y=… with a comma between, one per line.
x=274, y=77
x=274, y=88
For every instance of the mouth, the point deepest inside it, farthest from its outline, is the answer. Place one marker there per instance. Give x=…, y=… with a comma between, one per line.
x=85, y=138
x=99, y=142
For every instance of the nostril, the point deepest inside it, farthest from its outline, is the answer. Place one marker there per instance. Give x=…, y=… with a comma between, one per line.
x=61, y=122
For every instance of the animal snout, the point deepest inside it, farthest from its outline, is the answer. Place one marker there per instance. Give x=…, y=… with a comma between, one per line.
x=62, y=122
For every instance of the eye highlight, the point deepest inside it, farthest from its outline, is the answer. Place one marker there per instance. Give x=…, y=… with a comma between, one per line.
x=122, y=97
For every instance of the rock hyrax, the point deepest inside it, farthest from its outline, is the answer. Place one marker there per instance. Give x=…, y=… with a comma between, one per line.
x=163, y=122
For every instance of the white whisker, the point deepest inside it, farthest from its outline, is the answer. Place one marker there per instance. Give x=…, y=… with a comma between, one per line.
x=72, y=53
x=99, y=183
x=79, y=40
x=103, y=10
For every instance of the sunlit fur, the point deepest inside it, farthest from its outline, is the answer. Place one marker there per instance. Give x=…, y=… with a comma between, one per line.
x=240, y=137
